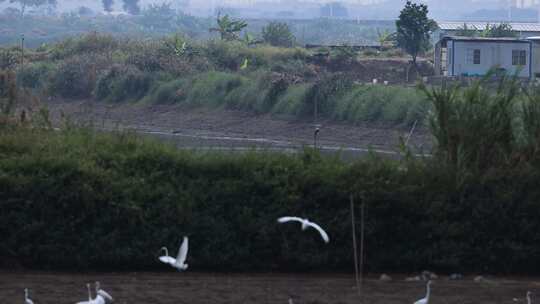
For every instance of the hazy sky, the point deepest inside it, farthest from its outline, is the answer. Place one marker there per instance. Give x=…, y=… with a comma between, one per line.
x=364, y=9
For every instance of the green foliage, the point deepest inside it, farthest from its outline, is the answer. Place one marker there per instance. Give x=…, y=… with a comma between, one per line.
x=35, y=75
x=8, y=59
x=466, y=31
x=278, y=34
x=381, y=103
x=74, y=77
x=345, y=54
x=499, y=30
x=92, y=43
x=413, y=29
x=8, y=94
x=99, y=180
x=489, y=111
x=123, y=83
x=386, y=38
x=228, y=28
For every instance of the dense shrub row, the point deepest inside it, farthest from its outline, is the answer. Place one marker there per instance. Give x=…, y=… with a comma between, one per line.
x=233, y=74
x=79, y=199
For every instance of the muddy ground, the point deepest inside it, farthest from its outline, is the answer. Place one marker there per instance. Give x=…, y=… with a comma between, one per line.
x=174, y=288
x=203, y=128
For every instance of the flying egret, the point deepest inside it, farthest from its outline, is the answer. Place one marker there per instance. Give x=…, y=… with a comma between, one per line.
x=305, y=225
x=179, y=262
x=26, y=298
x=90, y=301
x=102, y=293
x=428, y=291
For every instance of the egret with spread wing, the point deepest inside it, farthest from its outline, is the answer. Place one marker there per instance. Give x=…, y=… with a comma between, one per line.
x=428, y=292
x=179, y=262
x=305, y=225
x=106, y=297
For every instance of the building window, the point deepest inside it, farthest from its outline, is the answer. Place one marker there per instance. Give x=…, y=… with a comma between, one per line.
x=519, y=57
x=476, y=59
x=473, y=56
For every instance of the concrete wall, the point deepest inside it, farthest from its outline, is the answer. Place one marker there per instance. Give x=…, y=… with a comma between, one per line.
x=491, y=54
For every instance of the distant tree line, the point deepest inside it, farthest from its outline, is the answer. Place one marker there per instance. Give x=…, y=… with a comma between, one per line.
x=130, y=6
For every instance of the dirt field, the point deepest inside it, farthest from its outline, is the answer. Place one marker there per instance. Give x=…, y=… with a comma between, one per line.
x=225, y=129
x=173, y=287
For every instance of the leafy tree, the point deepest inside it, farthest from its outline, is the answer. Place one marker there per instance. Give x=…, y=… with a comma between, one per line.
x=30, y=3
x=413, y=29
x=159, y=15
x=229, y=28
x=132, y=6
x=499, y=30
x=108, y=5
x=278, y=34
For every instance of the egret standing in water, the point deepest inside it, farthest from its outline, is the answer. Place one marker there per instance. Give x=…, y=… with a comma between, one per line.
x=305, y=225
x=26, y=298
x=179, y=262
x=428, y=291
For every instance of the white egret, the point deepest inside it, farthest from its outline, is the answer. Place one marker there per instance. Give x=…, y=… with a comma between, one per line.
x=90, y=301
x=103, y=294
x=179, y=262
x=529, y=297
x=305, y=225
x=428, y=291
x=27, y=300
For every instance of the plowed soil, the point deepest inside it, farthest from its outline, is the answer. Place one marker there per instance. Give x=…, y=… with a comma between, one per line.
x=203, y=128
x=193, y=288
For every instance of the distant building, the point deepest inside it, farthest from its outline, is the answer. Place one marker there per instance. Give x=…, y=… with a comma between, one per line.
x=473, y=56
x=523, y=30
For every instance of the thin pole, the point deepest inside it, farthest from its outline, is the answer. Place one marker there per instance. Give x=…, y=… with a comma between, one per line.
x=22, y=53
x=356, y=264
x=411, y=133
x=362, y=218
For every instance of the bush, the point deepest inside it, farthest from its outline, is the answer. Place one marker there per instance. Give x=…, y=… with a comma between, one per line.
x=35, y=75
x=75, y=77
x=278, y=34
x=123, y=83
x=381, y=103
x=92, y=43
x=168, y=92
x=418, y=216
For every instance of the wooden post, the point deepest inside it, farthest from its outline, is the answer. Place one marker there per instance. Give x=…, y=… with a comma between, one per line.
x=362, y=219
x=356, y=264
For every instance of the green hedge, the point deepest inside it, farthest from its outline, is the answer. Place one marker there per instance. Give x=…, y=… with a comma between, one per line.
x=77, y=199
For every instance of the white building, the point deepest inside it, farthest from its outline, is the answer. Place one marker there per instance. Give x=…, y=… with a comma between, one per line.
x=473, y=56
x=522, y=29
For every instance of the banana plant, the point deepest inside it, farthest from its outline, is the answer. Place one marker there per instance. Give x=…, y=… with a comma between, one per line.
x=228, y=28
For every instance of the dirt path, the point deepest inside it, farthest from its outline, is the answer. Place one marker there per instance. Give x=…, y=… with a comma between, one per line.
x=211, y=128
x=193, y=288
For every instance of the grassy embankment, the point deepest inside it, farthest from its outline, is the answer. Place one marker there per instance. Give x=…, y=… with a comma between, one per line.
x=264, y=79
